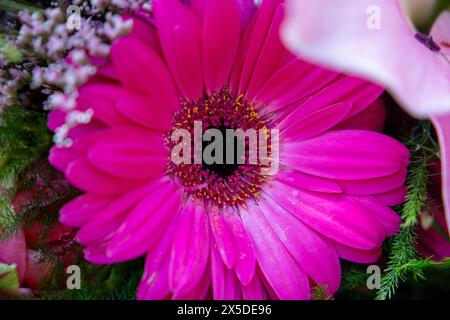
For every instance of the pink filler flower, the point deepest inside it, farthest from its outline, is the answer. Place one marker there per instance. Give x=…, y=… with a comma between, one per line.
x=375, y=39
x=246, y=235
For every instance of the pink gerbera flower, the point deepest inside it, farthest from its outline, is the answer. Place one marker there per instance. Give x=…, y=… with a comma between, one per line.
x=228, y=231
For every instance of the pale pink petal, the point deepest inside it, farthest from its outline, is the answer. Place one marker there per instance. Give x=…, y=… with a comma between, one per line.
x=339, y=34
x=442, y=126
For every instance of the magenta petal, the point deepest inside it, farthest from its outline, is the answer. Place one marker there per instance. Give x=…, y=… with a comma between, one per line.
x=371, y=118
x=145, y=72
x=131, y=153
x=155, y=281
x=332, y=215
x=180, y=37
x=253, y=39
x=301, y=127
x=292, y=83
x=374, y=186
x=190, y=250
x=347, y=155
x=254, y=290
x=149, y=111
x=246, y=262
x=272, y=55
x=221, y=34
x=224, y=282
x=313, y=253
x=357, y=255
x=82, y=209
x=89, y=179
x=146, y=223
x=224, y=238
x=283, y=274
x=300, y=180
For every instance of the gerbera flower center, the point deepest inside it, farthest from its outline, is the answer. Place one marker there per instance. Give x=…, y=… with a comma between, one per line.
x=233, y=177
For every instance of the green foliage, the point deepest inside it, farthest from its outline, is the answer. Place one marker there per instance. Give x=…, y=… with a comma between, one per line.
x=24, y=138
x=404, y=262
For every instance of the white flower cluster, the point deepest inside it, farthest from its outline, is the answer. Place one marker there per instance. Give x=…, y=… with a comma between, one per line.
x=57, y=58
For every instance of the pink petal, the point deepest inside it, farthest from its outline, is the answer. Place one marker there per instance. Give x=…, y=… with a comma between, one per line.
x=442, y=126
x=374, y=186
x=305, y=181
x=292, y=83
x=151, y=112
x=220, y=41
x=144, y=72
x=254, y=290
x=136, y=154
x=339, y=37
x=190, y=250
x=254, y=37
x=145, y=224
x=224, y=238
x=357, y=255
x=332, y=215
x=14, y=250
x=82, y=209
x=371, y=118
x=312, y=252
x=180, y=35
x=246, y=262
x=283, y=274
x=347, y=155
x=272, y=56
x=301, y=127
x=86, y=177
x=224, y=283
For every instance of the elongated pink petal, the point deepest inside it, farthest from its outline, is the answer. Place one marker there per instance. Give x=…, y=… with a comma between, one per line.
x=313, y=253
x=220, y=40
x=89, y=179
x=292, y=83
x=180, y=35
x=284, y=275
x=246, y=262
x=357, y=36
x=136, y=154
x=298, y=179
x=224, y=282
x=224, y=238
x=357, y=255
x=332, y=215
x=301, y=127
x=255, y=36
x=82, y=209
x=338, y=154
x=190, y=250
x=146, y=73
x=272, y=56
x=442, y=125
x=149, y=111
